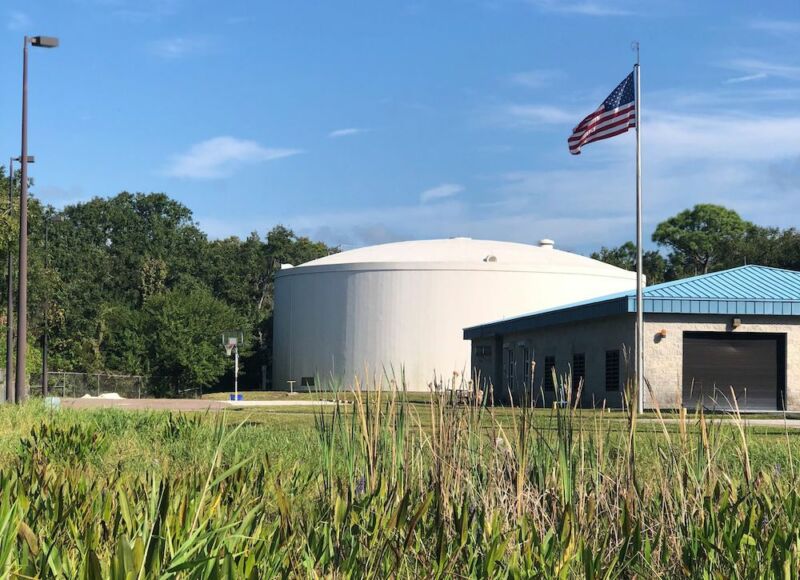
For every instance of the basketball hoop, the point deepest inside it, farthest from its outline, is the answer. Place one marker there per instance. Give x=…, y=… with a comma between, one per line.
x=231, y=340
x=229, y=347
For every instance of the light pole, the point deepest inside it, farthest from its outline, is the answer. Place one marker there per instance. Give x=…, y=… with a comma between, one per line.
x=22, y=299
x=52, y=218
x=10, y=395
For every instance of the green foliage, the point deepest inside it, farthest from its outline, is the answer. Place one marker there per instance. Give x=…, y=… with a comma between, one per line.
x=653, y=263
x=708, y=238
x=74, y=445
x=386, y=488
x=33, y=362
x=114, y=265
x=183, y=328
x=699, y=238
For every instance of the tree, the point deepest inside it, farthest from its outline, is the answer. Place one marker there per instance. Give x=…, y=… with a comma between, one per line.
x=654, y=266
x=702, y=239
x=241, y=273
x=182, y=329
x=110, y=255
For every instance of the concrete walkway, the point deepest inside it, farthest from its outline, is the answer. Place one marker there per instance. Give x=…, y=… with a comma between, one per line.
x=181, y=404
x=778, y=423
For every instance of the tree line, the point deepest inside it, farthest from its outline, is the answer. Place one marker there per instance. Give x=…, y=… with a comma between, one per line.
x=707, y=238
x=132, y=285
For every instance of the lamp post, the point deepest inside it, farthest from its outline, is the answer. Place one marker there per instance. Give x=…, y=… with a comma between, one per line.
x=22, y=299
x=52, y=218
x=10, y=395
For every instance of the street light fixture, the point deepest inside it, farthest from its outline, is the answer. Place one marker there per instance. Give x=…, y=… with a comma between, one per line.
x=22, y=299
x=48, y=219
x=44, y=41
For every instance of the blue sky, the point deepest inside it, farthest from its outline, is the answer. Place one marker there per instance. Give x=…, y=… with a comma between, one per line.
x=366, y=122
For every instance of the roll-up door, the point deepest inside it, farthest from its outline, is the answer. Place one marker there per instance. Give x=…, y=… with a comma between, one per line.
x=752, y=364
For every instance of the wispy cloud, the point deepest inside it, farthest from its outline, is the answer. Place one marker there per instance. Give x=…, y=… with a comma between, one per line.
x=536, y=79
x=776, y=26
x=753, y=67
x=747, y=78
x=18, y=20
x=220, y=156
x=532, y=116
x=346, y=132
x=141, y=11
x=442, y=191
x=178, y=47
x=585, y=8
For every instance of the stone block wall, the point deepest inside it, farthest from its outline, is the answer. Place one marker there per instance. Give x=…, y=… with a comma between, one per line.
x=664, y=356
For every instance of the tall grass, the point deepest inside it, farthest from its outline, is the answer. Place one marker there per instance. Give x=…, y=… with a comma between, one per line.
x=395, y=489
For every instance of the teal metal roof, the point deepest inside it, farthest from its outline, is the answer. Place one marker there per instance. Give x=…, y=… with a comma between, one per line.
x=743, y=283
x=747, y=290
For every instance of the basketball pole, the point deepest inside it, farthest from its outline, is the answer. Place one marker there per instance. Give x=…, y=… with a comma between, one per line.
x=236, y=371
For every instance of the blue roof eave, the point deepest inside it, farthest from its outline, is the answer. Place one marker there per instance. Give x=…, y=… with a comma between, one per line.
x=619, y=305
x=728, y=306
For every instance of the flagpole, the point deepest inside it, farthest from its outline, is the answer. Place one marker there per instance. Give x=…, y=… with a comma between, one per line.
x=639, y=292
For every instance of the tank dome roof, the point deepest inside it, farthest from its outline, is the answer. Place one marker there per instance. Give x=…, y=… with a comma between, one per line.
x=465, y=251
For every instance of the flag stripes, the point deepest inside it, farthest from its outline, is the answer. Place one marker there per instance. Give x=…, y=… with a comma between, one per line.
x=615, y=116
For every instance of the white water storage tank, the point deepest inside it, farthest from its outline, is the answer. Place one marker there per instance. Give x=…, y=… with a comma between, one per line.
x=405, y=305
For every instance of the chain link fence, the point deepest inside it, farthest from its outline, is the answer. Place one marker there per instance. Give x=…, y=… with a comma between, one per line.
x=76, y=385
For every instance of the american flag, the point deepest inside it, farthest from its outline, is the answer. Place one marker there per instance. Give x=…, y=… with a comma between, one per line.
x=616, y=115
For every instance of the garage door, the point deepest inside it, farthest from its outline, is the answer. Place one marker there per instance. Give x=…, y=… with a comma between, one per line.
x=753, y=364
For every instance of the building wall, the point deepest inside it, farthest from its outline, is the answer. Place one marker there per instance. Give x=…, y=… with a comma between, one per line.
x=664, y=356
x=591, y=338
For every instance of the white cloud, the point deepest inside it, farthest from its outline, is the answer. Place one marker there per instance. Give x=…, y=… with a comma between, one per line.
x=178, y=47
x=724, y=136
x=754, y=67
x=220, y=156
x=140, y=11
x=18, y=20
x=440, y=192
x=747, y=78
x=779, y=27
x=346, y=132
x=736, y=146
x=533, y=116
x=584, y=8
x=536, y=79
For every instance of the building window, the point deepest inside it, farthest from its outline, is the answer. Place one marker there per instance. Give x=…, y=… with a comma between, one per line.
x=483, y=351
x=549, y=369
x=509, y=368
x=307, y=381
x=526, y=366
x=578, y=370
x=612, y=370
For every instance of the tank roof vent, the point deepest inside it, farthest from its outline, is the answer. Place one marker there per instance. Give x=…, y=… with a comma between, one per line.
x=546, y=243
x=490, y=258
